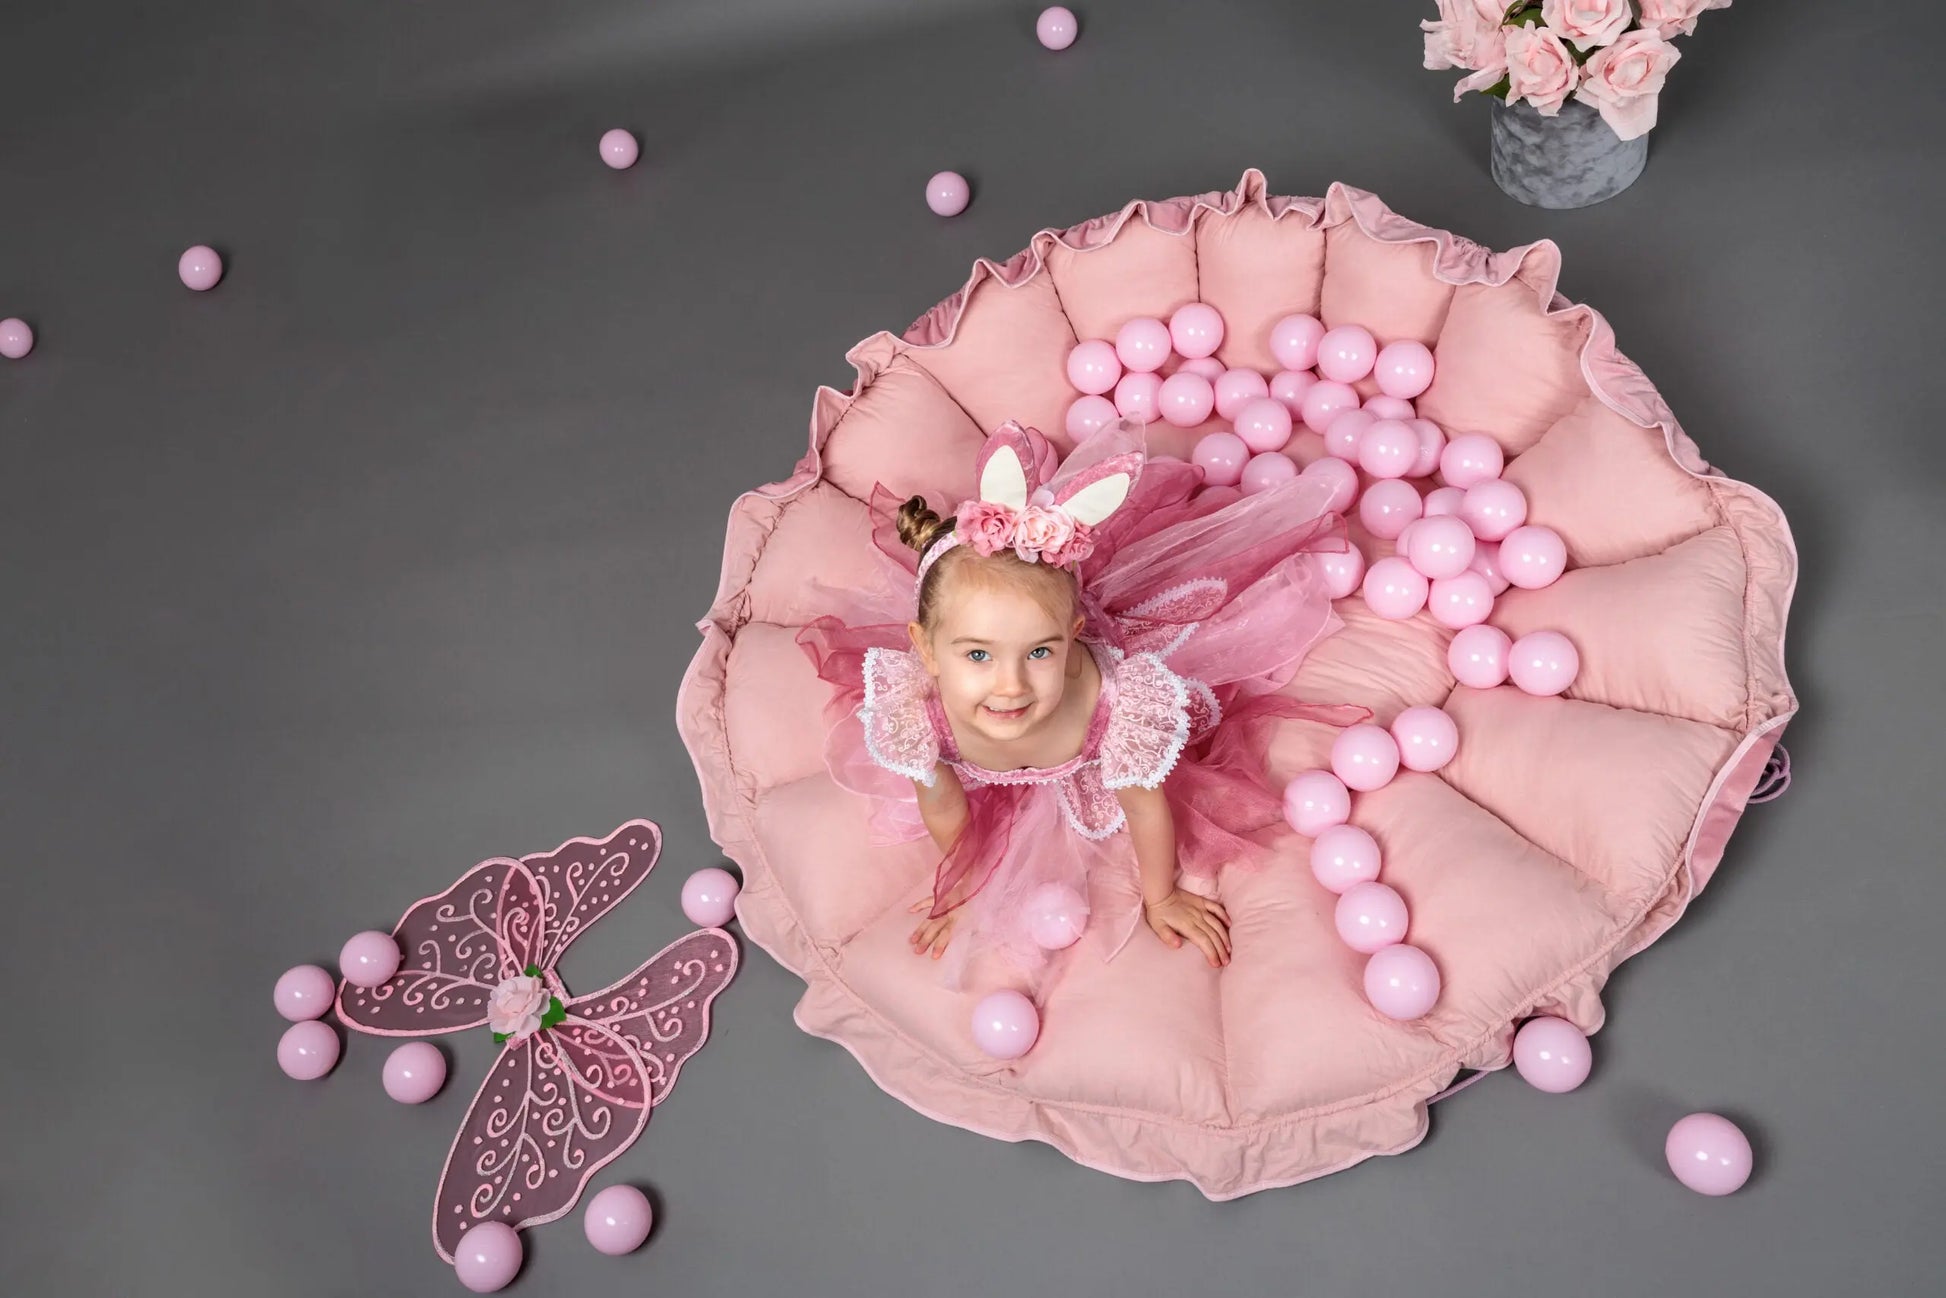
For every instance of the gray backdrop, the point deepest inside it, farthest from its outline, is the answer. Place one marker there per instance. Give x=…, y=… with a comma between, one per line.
x=384, y=557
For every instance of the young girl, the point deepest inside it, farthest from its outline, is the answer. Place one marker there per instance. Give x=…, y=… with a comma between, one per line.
x=1074, y=685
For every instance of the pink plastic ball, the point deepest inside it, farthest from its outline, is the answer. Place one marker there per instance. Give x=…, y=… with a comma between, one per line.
x=1471, y=458
x=1388, y=507
x=1709, y=1154
x=1057, y=915
x=1394, y=590
x=1093, y=367
x=16, y=338
x=1347, y=429
x=1533, y=557
x=1344, y=856
x=1388, y=449
x=369, y=958
x=1342, y=479
x=1289, y=387
x=1486, y=562
x=1345, y=354
x=1294, y=341
x=1401, y=982
x=488, y=1257
x=1370, y=917
x=1343, y=572
x=1314, y=801
x=1543, y=663
x=1479, y=656
x=1384, y=407
x=304, y=992
x=1237, y=389
x=947, y=193
x=1325, y=401
x=1005, y=1025
x=307, y=1050
x=709, y=897
x=1206, y=366
x=1271, y=469
x=617, y=1220
x=1459, y=602
x=200, y=267
x=1441, y=501
x=1221, y=457
x=1057, y=27
x=1365, y=757
x=414, y=1072
x=619, y=149
x=1196, y=329
x=1494, y=508
x=1439, y=547
x=1089, y=415
x=1432, y=443
x=1185, y=400
x=1552, y=1054
x=1403, y=369
x=1264, y=424
x=1139, y=396
x=1143, y=344
x=1427, y=738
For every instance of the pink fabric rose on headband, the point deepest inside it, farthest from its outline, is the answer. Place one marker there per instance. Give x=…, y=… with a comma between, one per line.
x=1587, y=24
x=987, y=527
x=1041, y=533
x=1540, y=69
x=1625, y=81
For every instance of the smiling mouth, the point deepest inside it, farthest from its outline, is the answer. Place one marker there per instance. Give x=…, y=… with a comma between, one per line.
x=1006, y=715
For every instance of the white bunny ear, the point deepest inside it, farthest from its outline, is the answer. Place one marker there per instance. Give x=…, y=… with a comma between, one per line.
x=1098, y=500
x=1003, y=478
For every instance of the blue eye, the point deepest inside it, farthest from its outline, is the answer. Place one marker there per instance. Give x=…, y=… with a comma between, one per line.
x=977, y=655
x=1042, y=652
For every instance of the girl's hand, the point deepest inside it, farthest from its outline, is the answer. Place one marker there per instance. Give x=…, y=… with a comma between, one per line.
x=1185, y=915
x=932, y=935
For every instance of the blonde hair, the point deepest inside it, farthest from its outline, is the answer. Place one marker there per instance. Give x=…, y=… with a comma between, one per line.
x=1050, y=587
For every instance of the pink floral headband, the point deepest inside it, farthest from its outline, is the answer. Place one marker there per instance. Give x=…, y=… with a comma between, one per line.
x=1052, y=524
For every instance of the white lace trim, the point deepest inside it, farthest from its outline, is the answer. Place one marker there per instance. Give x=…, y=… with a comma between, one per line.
x=1154, y=602
x=1062, y=790
x=1208, y=696
x=867, y=715
x=1177, y=740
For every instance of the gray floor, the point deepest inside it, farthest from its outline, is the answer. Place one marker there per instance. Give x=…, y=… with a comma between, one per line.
x=384, y=557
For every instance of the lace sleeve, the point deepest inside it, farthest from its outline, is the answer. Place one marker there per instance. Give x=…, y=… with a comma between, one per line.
x=898, y=731
x=1148, y=725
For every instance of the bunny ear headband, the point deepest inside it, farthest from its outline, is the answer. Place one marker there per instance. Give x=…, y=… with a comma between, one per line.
x=1052, y=524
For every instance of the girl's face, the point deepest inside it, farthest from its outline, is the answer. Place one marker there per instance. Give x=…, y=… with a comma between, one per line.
x=999, y=657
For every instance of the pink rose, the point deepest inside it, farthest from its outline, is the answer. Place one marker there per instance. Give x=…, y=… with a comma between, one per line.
x=987, y=527
x=1467, y=34
x=1586, y=23
x=1668, y=17
x=1540, y=69
x=1078, y=548
x=1040, y=530
x=516, y=1006
x=1625, y=79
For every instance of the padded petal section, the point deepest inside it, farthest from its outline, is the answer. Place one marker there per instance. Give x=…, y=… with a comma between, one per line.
x=1256, y=270
x=1476, y=390
x=773, y=707
x=838, y=883
x=1385, y=666
x=1387, y=287
x=1007, y=358
x=1144, y=272
x=822, y=539
x=907, y=432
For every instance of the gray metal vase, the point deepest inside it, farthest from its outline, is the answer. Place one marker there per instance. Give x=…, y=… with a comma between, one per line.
x=1573, y=159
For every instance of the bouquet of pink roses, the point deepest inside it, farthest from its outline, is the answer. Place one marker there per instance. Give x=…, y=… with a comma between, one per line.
x=1610, y=54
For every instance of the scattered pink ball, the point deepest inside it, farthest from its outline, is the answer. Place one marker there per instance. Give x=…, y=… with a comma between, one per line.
x=1221, y=457
x=947, y=193
x=1486, y=562
x=1387, y=507
x=1089, y=415
x=1533, y=557
x=369, y=958
x=307, y=1050
x=1005, y=1025
x=414, y=1072
x=1479, y=657
x=1237, y=389
x=488, y=1257
x=1143, y=344
x=200, y=267
x=1552, y=1054
x=16, y=338
x=709, y=897
x=1345, y=354
x=1057, y=916
x=1206, y=366
x=1441, y=546
x=1427, y=738
x=1325, y=401
x=1709, y=1154
x=1344, y=572
x=304, y=992
x=1294, y=341
x=1344, y=856
x=1388, y=449
x=1341, y=477
x=1264, y=424
x=1494, y=508
x=1384, y=407
x=1394, y=589
x=1543, y=663
x=1057, y=27
x=1459, y=602
x=1471, y=458
x=1314, y=801
x=1185, y=400
x=1139, y=396
x=1196, y=329
x=1270, y=469
x=1289, y=387
x=1401, y=982
x=1432, y=444
x=1404, y=369
x=1370, y=917
x=1093, y=367
x=1365, y=757
x=619, y=149
x=1441, y=501
x=617, y=1220
x=1347, y=429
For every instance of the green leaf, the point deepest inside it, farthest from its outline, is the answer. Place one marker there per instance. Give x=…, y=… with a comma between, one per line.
x=555, y=1012
x=532, y=971
x=499, y=1038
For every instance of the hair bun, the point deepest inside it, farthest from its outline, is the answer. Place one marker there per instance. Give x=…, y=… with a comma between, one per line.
x=919, y=526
